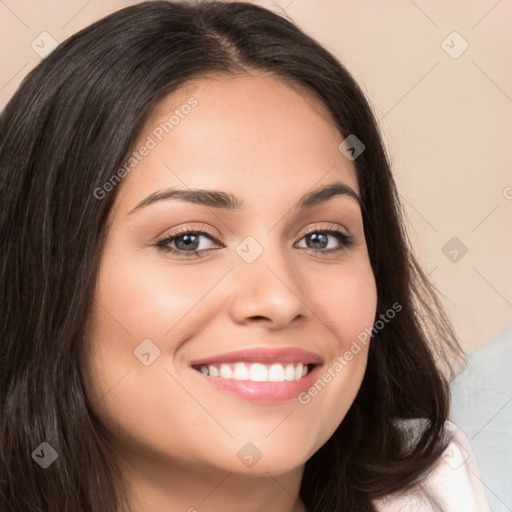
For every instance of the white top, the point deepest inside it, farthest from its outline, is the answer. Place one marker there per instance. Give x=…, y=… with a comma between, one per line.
x=453, y=485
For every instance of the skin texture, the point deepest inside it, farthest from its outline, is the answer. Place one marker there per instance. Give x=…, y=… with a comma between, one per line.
x=178, y=436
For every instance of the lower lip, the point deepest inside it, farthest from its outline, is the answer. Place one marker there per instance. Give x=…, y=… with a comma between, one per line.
x=263, y=392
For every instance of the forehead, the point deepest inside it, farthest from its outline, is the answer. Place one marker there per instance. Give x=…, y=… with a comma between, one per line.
x=249, y=134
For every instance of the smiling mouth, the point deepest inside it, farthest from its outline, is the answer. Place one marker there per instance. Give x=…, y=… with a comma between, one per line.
x=256, y=372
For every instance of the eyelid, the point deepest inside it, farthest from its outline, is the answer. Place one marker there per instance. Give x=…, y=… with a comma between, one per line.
x=332, y=227
x=182, y=230
x=202, y=230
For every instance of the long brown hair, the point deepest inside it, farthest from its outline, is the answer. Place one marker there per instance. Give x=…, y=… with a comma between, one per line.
x=66, y=130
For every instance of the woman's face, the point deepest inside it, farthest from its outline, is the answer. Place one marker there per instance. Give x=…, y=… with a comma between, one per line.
x=264, y=276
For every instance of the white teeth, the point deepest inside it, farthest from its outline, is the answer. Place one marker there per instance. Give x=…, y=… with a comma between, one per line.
x=225, y=371
x=289, y=372
x=256, y=372
x=276, y=373
x=241, y=372
x=213, y=371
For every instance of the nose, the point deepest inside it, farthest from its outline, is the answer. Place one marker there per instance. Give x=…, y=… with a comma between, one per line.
x=267, y=292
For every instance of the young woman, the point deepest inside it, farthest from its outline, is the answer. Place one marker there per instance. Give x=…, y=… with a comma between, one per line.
x=209, y=301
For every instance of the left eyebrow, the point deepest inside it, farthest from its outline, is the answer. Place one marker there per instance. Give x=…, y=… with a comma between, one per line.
x=224, y=200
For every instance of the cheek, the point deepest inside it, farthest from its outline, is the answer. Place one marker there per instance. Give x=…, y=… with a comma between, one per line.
x=345, y=300
x=150, y=298
x=142, y=308
x=136, y=308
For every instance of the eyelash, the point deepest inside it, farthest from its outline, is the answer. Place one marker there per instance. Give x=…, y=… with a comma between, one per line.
x=347, y=241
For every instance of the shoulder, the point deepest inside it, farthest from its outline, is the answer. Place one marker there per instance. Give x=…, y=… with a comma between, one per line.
x=452, y=485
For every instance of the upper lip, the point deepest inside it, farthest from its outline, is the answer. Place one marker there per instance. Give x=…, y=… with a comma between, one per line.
x=263, y=355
